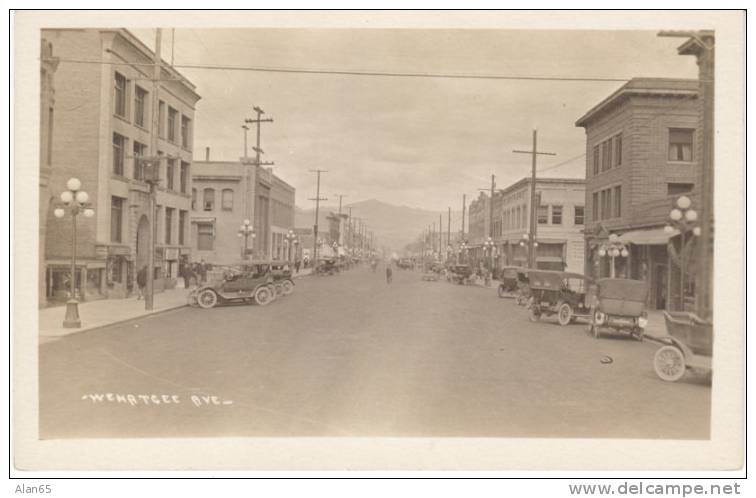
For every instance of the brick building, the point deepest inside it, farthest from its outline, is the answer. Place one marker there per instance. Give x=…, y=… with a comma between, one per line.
x=103, y=122
x=48, y=65
x=224, y=194
x=641, y=155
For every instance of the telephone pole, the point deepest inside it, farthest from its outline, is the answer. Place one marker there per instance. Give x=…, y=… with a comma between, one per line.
x=464, y=207
x=317, y=200
x=533, y=222
x=490, y=204
x=448, y=229
x=258, y=151
x=246, y=129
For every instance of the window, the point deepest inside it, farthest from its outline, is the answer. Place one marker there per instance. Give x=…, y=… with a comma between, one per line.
x=194, y=199
x=543, y=215
x=140, y=99
x=580, y=215
x=524, y=214
x=608, y=207
x=556, y=215
x=618, y=202
x=227, y=199
x=182, y=227
x=116, y=219
x=161, y=119
x=602, y=210
x=168, y=225
x=595, y=207
x=139, y=151
x=596, y=160
x=680, y=144
x=208, y=200
x=205, y=236
x=119, y=145
x=50, y=120
x=618, y=150
x=172, y=113
x=184, y=176
x=169, y=174
x=679, y=188
x=185, y=132
x=120, y=95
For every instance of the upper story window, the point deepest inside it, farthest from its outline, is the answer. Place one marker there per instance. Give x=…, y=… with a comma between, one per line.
x=161, y=119
x=208, y=199
x=681, y=144
x=172, y=114
x=120, y=95
x=194, y=199
x=618, y=150
x=607, y=154
x=556, y=215
x=170, y=173
x=116, y=219
x=139, y=151
x=543, y=215
x=595, y=207
x=227, y=199
x=596, y=160
x=185, y=131
x=140, y=103
x=184, y=177
x=580, y=215
x=119, y=150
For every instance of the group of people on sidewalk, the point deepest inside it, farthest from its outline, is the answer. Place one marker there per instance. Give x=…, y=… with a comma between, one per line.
x=192, y=274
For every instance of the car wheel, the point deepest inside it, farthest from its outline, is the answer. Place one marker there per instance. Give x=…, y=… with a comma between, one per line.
x=564, y=314
x=279, y=289
x=669, y=363
x=534, y=315
x=288, y=287
x=263, y=295
x=207, y=299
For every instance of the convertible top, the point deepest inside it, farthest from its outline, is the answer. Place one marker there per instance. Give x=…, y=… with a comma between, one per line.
x=622, y=288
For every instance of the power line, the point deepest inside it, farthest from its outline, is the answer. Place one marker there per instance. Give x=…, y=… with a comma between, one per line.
x=343, y=72
x=558, y=165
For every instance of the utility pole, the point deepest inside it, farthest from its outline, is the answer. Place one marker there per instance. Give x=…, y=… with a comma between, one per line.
x=246, y=129
x=533, y=221
x=464, y=207
x=351, y=230
x=317, y=200
x=440, y=235
x=258, y=151
x=701, y=44
x=448, y=229
x=149, y=297
x=490, y=204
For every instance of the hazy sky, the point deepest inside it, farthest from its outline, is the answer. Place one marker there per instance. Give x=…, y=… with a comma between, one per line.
x=419, y=142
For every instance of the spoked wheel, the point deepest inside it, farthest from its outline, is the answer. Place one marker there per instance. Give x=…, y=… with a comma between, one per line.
x=534, y=314
x=564, y=314
x=669, y=363
x=288, y=287
x=263, y=295
x=207, y=299
x=279, y=289
x=502, y=291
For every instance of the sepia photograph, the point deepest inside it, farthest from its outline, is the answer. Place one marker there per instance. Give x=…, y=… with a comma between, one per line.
x=305, y=227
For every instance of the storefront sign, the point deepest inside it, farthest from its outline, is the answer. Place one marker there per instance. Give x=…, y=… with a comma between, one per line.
x=171, y=253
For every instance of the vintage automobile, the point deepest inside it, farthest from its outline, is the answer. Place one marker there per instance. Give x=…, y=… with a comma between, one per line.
x=688, y=346
x=282, y=278
x=509, y=282
x=246, y=283
x=460, y=274
x=566, y=295
x=430, y=272
x=619, y=306
x=404, y=264
x=327, y=266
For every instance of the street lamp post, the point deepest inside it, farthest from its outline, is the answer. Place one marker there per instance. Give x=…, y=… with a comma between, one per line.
x=291, y=240
x=614, y=249
x=526, y=242
x=489, y=245
x=76, y=201
x=683, y=217
x=246, y=230
x=463, y=251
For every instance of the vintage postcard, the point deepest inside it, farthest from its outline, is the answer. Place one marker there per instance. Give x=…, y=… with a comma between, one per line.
x=378, y=240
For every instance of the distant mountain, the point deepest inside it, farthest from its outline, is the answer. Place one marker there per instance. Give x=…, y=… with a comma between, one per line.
x=394, y=226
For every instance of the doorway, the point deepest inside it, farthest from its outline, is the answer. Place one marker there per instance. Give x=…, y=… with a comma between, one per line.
x=660, y=287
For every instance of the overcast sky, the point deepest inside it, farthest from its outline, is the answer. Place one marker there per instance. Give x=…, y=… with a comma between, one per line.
x=419, y=142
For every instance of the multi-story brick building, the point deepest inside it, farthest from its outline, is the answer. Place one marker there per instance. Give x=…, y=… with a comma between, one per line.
x=48, y=65
x=641, y=144
x=224, y=195
x=103, y=124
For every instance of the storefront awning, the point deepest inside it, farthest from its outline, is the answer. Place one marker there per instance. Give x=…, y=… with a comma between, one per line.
x=654, y=236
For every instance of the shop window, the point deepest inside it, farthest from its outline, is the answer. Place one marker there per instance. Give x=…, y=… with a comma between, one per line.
x=205, y=236
x=680, y=144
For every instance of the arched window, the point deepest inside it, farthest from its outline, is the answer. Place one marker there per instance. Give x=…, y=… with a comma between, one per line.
x=208, y=200
x=194, y=198
x=227, y=199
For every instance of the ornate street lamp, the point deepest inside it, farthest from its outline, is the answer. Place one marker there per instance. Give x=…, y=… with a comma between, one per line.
x=77, y=201
x=246, y=230
x=526, y=242
x=614, y=248
x=683, y=218
x=291, y=240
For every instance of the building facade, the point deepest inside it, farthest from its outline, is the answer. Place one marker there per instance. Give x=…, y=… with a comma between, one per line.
x=642, y=145
x=107, y=110
x=224, y=195
x=48, y=65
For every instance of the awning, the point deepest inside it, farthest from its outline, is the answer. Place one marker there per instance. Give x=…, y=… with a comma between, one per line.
x=651, y=237
x=203, y=219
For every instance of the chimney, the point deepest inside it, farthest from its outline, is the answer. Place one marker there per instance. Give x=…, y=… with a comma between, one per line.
x=207, y=153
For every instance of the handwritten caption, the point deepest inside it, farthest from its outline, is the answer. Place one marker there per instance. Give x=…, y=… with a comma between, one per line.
x=198, y=400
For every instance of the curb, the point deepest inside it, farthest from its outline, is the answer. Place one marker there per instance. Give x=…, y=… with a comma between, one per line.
x=110, y=324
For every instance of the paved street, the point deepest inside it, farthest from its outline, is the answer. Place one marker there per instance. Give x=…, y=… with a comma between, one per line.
x=349, y=355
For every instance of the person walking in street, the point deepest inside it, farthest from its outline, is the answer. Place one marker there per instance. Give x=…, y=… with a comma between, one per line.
x=203, y=271
x=389, y=274
x=297, y=264
x=141, y=281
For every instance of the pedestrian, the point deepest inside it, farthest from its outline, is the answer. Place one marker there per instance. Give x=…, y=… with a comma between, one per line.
x=389, y=274
x=141, y=282
x=297, y=263
x=203, y=271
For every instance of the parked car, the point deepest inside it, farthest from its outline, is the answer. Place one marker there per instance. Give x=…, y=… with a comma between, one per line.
x=619, y=307
x=460, y=274
x=246, y=283
x=509, y=283
x=566, y=295
x=405, y=264
x=689, y=345
x=282, y=278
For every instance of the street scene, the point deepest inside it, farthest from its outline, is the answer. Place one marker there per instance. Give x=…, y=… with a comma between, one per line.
x=294, y=232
